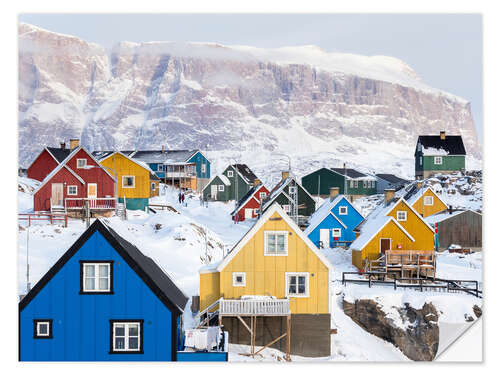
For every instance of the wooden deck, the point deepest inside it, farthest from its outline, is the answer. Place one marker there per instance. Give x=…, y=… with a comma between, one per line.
x=405, y=263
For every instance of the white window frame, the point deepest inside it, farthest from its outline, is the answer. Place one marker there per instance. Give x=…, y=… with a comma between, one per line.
x=336, y=230
x=404, y=216
x=244, y=278
x=96, y=277
x=277, y=233
x=426, y=200
x=81, y=166
x=286, y=208
x=161, y=167
x=297, y=295
x=230, y=174
x=126, y=336
x=438, y=160
x=262, y=195
x=421, y=160
x=351, y=183
x=128, y=186
x=364, y=184
x=220, y=188
x=72, y=186
x=256, y=211
x=356, y=184
x=340, y=210
x=291, y=189
x=203, y=168
x=153, y=185
x=49, y=328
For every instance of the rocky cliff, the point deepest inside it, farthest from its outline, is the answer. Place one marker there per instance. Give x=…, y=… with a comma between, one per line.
x=235, y=102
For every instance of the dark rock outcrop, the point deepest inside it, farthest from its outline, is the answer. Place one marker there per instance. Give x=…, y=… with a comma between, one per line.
x=419, y=341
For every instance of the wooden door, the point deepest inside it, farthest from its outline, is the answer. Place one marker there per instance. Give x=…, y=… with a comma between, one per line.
x=57, y=198
x=324, y=237
x=248, y=213
x=213, y=191
x=385, y=244
x=92, y=190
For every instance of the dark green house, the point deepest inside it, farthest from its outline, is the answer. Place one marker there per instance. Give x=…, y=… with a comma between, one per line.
x=284, y=192
x=232, y=184
x=351, y=183
x=439, y=154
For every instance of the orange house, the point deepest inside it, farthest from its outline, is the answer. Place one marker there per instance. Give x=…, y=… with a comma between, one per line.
x=427, y=202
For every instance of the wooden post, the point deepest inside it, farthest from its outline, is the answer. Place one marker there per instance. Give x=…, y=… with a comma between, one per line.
x=288, y=336
x=252, y=336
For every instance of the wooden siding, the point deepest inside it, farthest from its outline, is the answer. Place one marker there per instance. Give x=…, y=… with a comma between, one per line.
x=243, y=186
x=125, y=167
x=437, y=206
x=209, y=289
x=252, y=203
x=265, y=275
x=42, y=166
x=41, y=199
x=465, y=229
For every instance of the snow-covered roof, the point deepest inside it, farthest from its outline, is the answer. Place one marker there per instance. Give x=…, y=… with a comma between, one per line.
x=249, y=195
x=435, y=145
x=278, y=189
x=353, y=174
x=322, y=212
x=165, y=156
x=437, y=218
x=224, y=179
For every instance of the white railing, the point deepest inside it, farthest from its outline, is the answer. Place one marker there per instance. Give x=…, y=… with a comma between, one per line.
x=93, y=203
x=179, y=174
x=254, y=307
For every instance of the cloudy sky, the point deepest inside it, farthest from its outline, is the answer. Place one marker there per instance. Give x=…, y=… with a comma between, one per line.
x=444, y=49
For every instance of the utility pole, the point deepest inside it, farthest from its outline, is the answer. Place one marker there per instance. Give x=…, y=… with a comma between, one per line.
x=345, y=180
x=28, y=285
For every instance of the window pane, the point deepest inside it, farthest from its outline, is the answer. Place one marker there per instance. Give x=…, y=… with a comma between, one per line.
x=119, y=330
x=103, y=283
x=133, y=343
x=271, y=244
x=133, y=330
x=89, y=270
x=43, y=328
x=302, y=284
x=292, y=284
x=103, y=270
x=89, y=283
x=119, y=342
x=281, y=243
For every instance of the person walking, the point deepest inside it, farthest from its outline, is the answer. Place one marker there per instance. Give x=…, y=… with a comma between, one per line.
x=182, y=199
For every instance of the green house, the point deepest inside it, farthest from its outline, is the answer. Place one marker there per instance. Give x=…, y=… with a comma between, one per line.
x=284, y=192
x=351, y=183
x=439, y=154
x=232, y=184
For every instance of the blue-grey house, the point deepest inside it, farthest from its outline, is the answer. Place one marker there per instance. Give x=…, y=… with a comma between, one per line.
x=103, y=300
x=334, y=222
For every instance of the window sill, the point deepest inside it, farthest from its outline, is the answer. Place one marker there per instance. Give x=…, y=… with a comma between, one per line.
x=297, y=296
x=93, y=293
x=126, y=352
x=43, y=337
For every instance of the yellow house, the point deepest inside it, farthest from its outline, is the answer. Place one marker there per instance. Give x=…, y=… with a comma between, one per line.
x=136, y=183
x=427, y=202
x=393, y=226
x=274, y=262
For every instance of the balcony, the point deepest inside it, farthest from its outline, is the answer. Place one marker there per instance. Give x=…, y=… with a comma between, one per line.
x=93, y=203
x=254, y=306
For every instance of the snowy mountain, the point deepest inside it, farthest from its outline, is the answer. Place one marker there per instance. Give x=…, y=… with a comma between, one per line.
x=245, y=103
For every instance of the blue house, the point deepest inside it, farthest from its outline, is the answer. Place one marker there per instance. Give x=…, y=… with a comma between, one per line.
x=103, y=300
x=334, y=222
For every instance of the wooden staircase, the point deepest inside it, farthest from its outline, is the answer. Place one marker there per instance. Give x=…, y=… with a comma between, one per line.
x=58, y=210
x=121, y=210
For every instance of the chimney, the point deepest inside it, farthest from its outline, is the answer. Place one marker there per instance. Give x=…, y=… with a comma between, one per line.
x=63, y=145
x=442, y=135
x=389, y=195
x=162, y=149
x=285, y=175
x=334, y=191
x=419, y=184
x=74, y=143
x=256, y=182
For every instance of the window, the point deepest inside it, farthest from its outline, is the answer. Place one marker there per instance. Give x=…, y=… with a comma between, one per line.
x=364, y=184
x=355, y=184
x=421, y=160
x=256, y=211
x=292, y=189
x=96, y=277
x=262, y=195
x=401, y=215
x=373, y=184
x=286, y=208
x=351, y=183
x=128, y=181
x=239, y=279
x=297, y=284
x=126, y=336
x=229, y=173
x=336, y=232
x=81, y=163
x=203, y=168
x=438, y=160
x=72, y=190
x=221, y=187
x=161, y=167
x=276, y=243
x=428, y=200
x=343, y=210
x=42, y=328
x=153, y=186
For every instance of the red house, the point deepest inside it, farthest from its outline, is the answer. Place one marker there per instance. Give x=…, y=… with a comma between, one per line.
x=248, y=206
x=47, y=161
x=78, y=179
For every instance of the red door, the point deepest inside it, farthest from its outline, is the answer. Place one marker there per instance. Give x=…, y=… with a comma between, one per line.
x=385, y=244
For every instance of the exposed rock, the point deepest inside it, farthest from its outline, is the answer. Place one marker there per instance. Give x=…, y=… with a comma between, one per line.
x=419, y=341
x=220, y=98
x=477, y=311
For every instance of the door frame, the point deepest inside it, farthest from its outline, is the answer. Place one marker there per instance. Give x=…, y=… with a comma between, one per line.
x=327, y=244
x=212, y=191
x=380, y=244
x=251, y=213
x=52, y=193
x=88, y=185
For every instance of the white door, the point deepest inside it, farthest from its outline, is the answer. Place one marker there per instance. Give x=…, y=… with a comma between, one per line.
x=56, y=200
x=92, y=190
x=213, y=191
x=324, y=237
x=248, y=213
